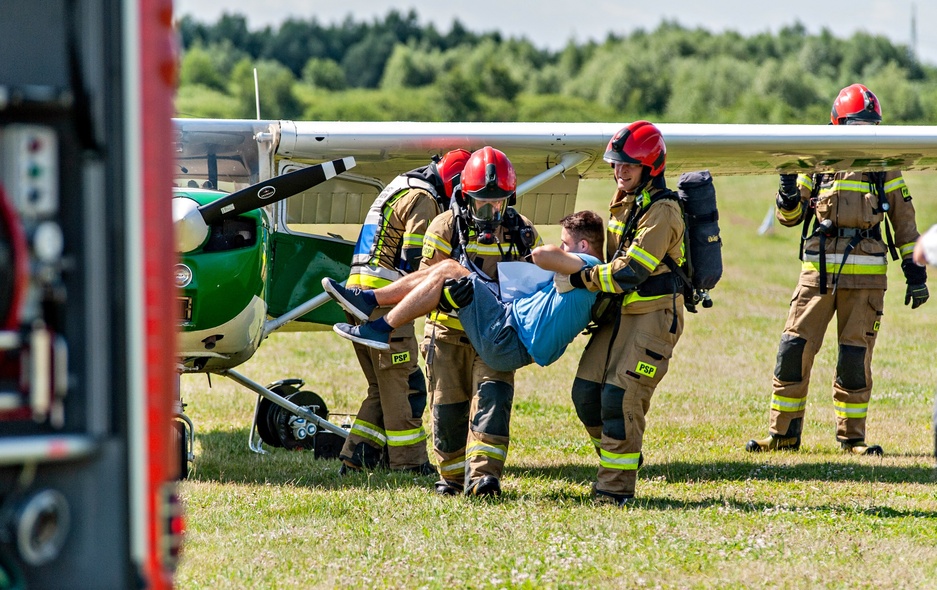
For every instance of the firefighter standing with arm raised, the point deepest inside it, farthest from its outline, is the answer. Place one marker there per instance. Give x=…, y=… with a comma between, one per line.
x=389, y=246
x=471, y=402
x=844, y=263
x=629, y=354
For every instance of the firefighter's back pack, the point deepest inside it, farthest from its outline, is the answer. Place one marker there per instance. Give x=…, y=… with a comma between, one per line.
x=703, y=244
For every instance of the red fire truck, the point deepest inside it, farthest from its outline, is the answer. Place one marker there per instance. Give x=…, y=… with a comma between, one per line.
x=87, y=384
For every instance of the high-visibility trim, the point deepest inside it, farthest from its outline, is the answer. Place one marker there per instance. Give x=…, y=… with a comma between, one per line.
x=620, y=461
x=895, y=184
x=597, y=442
x=480, y=449
x=794, y=213
x=616, y=227
x=369, y=431
x=488, y=249
x=848, y=269
x=806, y=181
x=643, y=257
x=788, y=404
x=445, y=320
x=606, y=282
x=434, y=242
x=906, y=249
x=366, y=281
x=635, y=297
x=453, y=469
x=402, y=438
x=844, y=410
x=412, y=240
x=852, y=186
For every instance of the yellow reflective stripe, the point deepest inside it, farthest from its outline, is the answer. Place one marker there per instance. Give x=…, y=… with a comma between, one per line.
x=597, y=442
x=788, y=404
x=435, y=242
x=634, y=297
x=606, y=282
x=643, y=257
x=620, y=461
x=401, y=438
x=369, y=431
x=906, y=249
x=792, y=214
x=367, y=282
x=453, y=469
x=844, y=410
x=412, y=240
x=894, y=184
x=616, y=227
x=805, y=181
x=852, y=186
x=445, y=320
x=848, y=269
x=480, y=449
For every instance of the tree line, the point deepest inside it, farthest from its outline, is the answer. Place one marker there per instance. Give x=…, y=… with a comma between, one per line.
x=398, y=69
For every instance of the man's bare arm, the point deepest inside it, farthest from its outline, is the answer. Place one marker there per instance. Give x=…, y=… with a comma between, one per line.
x=550, y=257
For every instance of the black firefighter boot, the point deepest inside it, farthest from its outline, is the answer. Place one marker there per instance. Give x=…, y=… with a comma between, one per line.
x=860, y=447
x=363, y=457
x=776, y=442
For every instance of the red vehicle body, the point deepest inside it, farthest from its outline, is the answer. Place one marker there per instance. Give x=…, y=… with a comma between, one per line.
x=88, y=456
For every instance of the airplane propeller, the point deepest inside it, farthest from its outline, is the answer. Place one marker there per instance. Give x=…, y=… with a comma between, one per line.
x=192, y=222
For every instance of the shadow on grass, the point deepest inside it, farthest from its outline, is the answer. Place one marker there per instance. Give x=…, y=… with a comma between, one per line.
x=224, y=457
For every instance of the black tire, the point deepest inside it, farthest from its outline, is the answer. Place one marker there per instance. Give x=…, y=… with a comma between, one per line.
x=182, y=451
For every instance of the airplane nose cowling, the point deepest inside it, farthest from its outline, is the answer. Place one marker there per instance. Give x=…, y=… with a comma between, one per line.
x=190, y=227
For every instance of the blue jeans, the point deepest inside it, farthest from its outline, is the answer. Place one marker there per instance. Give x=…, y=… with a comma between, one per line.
x=488, y=323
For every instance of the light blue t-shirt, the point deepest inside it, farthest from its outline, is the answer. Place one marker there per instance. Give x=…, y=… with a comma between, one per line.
x=547, y=321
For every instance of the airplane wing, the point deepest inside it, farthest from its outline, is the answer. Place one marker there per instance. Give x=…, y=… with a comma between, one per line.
x=550, y=158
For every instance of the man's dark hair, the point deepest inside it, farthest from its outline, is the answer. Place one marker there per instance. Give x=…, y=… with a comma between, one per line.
x=586, y=225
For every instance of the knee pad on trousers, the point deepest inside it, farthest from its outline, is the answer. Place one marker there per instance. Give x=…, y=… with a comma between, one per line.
x=587, y=399
x=417, y=397
x=790, y=358
x=495, y=399
x=613, y=418
x=450, y=426
x=850, y=367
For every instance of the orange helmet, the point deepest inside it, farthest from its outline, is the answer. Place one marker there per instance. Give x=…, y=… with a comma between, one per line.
x=638, y=143
x=855, y=103
x=488, y=182
x=450, y=167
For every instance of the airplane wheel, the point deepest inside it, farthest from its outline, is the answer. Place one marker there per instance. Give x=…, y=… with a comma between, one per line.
x=266, y=423
x=285, y=430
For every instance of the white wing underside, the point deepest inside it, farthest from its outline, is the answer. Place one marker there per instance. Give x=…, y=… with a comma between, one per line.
x=384, y=149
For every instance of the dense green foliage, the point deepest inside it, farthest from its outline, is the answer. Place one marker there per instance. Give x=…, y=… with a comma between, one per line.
x=398, y=69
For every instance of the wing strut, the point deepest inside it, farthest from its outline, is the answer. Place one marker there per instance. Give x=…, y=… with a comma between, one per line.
x=567, y=161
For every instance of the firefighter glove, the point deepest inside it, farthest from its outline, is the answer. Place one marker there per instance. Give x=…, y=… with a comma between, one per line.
x=456, y=293
x=916, y=277
x=577, y=280
x=788, y=195
x=562, y=283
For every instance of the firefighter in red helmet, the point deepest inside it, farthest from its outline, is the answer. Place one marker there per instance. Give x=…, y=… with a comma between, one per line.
x=471, y=402
x=844, y=255
x=388, y=427
x=629, y=353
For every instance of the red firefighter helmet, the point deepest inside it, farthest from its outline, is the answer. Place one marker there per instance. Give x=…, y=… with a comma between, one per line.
x=856, y=103
x=638, y=143
x=450, y=167
x=488, y=182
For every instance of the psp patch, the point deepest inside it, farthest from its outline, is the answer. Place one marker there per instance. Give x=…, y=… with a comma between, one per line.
x=905, y=193
x=646, y=369
x=428, y=251
x=400, y=357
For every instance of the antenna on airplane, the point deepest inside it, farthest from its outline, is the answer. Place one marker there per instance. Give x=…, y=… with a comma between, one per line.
x=257, y=94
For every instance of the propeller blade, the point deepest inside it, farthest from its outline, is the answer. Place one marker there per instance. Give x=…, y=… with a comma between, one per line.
x=273, y=190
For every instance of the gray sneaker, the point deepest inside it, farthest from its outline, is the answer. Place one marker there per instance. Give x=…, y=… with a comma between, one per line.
x=350, y=299
x=364, y=334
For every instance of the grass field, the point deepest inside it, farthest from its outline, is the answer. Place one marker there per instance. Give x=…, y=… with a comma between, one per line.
x=708, y=514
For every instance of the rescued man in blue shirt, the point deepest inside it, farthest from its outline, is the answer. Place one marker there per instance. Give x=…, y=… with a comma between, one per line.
x=535, y=327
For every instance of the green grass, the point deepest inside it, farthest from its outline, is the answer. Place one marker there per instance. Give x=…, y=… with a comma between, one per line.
x=708, y=515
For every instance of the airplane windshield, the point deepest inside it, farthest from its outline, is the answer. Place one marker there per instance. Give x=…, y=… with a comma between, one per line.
x=220, y=154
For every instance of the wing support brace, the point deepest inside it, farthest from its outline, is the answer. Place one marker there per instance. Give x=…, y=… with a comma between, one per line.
x=567, y=161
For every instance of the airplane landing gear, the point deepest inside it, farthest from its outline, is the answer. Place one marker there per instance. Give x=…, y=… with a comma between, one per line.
x=278, y=426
